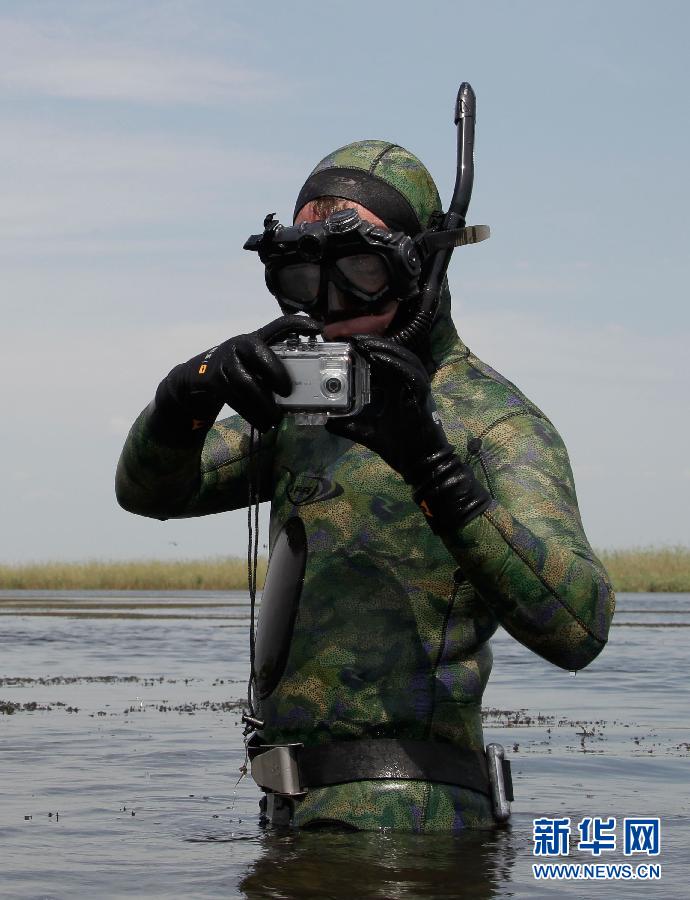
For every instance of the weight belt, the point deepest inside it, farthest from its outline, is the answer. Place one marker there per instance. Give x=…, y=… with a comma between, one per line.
x=340, y=762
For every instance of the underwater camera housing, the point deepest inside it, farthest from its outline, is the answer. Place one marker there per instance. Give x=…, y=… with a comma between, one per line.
x=329, y=379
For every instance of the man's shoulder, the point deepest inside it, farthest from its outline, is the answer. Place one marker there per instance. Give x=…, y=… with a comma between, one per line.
x=470, y=391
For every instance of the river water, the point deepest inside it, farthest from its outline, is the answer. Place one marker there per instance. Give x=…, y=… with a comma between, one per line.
x=120, y=749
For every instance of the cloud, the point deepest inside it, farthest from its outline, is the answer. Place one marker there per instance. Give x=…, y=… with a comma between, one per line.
x=62, y=182
x=61, y=62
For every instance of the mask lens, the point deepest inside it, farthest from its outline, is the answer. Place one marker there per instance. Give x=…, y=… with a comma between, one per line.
x=299, y=283
x=365, y=271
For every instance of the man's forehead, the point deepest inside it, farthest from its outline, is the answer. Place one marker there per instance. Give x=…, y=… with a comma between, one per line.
x=311, y=212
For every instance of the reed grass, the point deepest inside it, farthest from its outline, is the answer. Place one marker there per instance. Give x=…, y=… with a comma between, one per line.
x=214, y=574
x=649, y=569
x=645, y=569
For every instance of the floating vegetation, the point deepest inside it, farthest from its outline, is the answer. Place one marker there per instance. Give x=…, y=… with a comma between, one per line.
x=9, y=707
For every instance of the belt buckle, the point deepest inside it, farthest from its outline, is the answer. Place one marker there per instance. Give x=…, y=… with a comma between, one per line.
x=501, y=793
x=275, y=768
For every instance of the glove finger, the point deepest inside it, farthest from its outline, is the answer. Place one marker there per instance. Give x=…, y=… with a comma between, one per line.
x=261, y=360
x=262, y=415
x=257, y=359
x=351, y=428
x=256, y=416
x=396, y=370
x=368, y=344
x=288, y=325
x=246, y=396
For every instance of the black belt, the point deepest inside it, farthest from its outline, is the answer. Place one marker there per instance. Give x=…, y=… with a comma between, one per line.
x=340, y=762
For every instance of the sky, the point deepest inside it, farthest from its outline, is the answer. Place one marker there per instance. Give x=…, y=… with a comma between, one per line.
x=142, y=142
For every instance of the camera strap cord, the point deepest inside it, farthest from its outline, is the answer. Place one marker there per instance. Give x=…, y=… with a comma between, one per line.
x=254, y=481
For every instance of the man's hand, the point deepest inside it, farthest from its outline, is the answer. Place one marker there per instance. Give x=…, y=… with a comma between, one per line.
x=243, y=372
x=400, y=425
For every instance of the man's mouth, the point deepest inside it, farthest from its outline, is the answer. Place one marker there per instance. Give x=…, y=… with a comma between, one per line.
x=360, y=324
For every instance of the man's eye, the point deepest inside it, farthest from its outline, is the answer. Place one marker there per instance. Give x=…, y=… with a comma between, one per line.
x=300, y=282
x=366, y=271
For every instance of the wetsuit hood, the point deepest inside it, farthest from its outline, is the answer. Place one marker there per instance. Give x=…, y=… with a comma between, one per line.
x=386, y=178
x=395, y=185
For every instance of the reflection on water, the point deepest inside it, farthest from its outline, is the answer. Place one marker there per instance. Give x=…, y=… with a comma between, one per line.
x=120, y=745
x=322, y=865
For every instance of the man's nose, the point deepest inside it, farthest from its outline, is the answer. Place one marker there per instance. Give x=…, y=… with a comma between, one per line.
x=337, y=300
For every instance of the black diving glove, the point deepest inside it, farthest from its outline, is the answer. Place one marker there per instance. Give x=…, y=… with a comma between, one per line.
x=402, y=427
x=242, y=372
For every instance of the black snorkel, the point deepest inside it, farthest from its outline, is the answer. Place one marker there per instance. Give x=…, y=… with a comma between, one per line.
x=418, y=328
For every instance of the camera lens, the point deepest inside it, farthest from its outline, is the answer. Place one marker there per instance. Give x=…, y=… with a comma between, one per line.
x=333, y=385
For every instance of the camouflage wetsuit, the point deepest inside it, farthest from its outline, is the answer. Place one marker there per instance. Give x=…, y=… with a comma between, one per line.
x=393, y=623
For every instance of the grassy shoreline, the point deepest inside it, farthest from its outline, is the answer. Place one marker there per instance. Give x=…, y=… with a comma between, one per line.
x=646, y=569
x=212, y=574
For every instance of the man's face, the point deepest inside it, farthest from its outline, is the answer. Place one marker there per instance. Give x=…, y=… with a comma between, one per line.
x=343, y=317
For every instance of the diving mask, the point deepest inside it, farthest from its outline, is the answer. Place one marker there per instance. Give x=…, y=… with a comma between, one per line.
x=366, y=262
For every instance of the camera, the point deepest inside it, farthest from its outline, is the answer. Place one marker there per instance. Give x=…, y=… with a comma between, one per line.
x=328, y=378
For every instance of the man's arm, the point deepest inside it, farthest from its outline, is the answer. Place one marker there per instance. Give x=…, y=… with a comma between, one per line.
x=211, y=475
x=515, y=531
x=176, y=462
x=526, y=553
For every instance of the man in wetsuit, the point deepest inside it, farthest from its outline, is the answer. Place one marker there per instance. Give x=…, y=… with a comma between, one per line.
x=398, y=545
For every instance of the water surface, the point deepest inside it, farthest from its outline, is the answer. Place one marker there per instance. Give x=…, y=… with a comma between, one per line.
x=121, y=746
